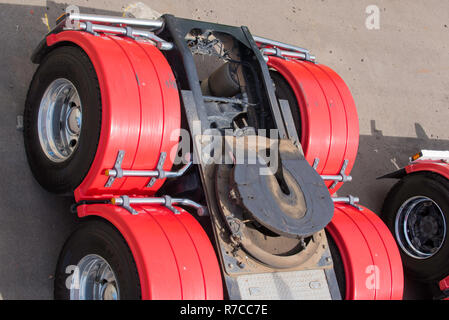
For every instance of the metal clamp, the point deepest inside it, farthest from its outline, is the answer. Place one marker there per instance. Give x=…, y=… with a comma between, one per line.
x=117, y=171
x=276, y=52
x=351, y=200
x=147, y=23
x=167, y=201
x=169, y=204
x=159, y=169
x=341, y=177
x=125, y=203
x=89, y=28
x=287, y=50
x=127, y=31
x=159, y=173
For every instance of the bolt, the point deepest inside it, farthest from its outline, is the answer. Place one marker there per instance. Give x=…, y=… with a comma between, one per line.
x=230, y=265
x=232, y=194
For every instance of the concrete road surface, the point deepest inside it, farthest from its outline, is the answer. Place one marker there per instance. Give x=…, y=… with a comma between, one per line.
x=398, y=74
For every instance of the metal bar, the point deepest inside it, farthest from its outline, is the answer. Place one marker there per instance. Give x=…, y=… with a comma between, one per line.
x=289, y=122
x=166, y=201
x=120, y=201
x=351, y=200
x=289, y=54
x=132, y=173
x=348, y=199
x=161, y=44
x=342, y=177
x=156, y=24
x=158, y=173
x=279, y=44
x=201, y=210
x=149, y=173
x=338, y=178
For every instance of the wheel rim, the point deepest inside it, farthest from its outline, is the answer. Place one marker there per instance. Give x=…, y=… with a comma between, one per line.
x=59, y=120
x=420, y=227
x=95, y=280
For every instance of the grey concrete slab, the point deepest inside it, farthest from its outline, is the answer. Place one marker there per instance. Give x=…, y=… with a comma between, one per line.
x=398, y=75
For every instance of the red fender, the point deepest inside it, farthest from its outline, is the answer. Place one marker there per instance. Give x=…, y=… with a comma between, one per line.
x=174, y=257
x=330, y=127
x=444, y=286
x=436, y=166
x=371, y=259
x=140, y=110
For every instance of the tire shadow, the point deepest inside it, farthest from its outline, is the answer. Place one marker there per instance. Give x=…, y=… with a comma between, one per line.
x=34, y=224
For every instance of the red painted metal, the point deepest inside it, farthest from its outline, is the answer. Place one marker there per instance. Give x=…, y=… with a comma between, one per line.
x=371, y=259
x=437, y=166
x=444, y=284
x=444, y=287
x=330, y=128
x=140, y=110
x=173, y=254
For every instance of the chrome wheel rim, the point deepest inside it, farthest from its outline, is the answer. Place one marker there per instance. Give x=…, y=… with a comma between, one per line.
x=94, y=279
x=420, y=227
x=59, y=120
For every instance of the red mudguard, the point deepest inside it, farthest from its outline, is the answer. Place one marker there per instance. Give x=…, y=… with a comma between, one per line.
x=436, y=166
x=174, y=256
x=330, y=126
x=371, y=259
x=140, y=110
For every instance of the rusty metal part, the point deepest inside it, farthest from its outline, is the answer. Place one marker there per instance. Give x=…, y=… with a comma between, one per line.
x=263, y=245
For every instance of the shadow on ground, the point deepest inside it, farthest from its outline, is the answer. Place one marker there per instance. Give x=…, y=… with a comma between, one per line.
x=34, y=224
x=379, y=155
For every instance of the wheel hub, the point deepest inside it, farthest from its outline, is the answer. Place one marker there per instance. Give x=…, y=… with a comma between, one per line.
x=94, y=280
x=420, y=227
x=428, y=226
x=74, y=120
x=109, y=291
x=59, y=120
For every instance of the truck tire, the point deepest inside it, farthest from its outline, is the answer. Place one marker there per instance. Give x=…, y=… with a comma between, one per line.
x=96, y=264
x=416, y=210
x=62, y=119
x=138, y=122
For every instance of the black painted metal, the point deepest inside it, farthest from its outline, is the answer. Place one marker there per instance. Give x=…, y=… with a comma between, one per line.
x=300, y=208
x=182, y=62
